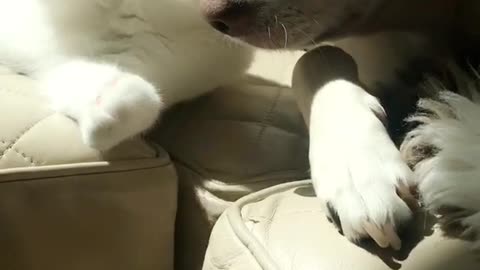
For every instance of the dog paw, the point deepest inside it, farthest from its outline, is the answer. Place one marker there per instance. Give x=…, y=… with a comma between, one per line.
x=109, y=105
x=364, y=184
x=444, y=151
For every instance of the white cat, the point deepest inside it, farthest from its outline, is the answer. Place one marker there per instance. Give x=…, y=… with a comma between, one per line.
x=115, y=65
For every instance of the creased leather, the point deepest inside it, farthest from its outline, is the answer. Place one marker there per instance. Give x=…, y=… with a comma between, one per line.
x=243, y=138
x=239, y=139
x=284, y=227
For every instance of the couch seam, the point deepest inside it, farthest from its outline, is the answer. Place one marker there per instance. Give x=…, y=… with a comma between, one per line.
x=269, y=224
x=260, y=123
x=248, y=247
x=26, y=157
x=259, y=178
x=235, y=210
x=84, y=174
x=267, y=119
x=11, y=144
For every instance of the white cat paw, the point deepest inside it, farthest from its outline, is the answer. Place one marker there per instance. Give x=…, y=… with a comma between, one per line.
x=125, y=107
x=109, y=105
x=445, y=152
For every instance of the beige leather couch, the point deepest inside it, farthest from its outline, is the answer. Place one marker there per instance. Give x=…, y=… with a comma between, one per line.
x=284, y=227
x=240, y=139
x=65, y=206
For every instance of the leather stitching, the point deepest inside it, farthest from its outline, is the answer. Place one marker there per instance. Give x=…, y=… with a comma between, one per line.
x=11, y=144
x=267, y=119
x=25, y=157
x=273, y=215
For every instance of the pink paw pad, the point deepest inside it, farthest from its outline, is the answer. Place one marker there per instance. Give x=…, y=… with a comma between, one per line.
x=110, y=85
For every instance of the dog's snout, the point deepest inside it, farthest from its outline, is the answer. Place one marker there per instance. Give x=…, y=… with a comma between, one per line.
x=231, y=17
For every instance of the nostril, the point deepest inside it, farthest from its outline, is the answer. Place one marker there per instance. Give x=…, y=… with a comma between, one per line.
x=230, y=17
x=220, y=26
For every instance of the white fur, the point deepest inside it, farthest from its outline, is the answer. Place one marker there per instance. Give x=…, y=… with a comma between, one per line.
x=450, y=179
x=355, y=166
x=109, y=105
x=114, y=65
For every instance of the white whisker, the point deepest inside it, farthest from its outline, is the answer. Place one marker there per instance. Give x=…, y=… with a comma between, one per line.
x=308, y=36
x=285, y=34
x=269, y=33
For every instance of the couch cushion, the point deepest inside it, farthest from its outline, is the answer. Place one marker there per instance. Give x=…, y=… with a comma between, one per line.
x=284, y=228
x=95, y=216
x=235, y=141
x=63, y=206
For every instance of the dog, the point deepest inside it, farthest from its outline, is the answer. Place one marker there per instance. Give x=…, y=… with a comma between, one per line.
x=114, y=65
x=357, y=170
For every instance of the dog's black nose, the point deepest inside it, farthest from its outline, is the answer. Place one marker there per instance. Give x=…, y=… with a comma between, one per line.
x=231, y=17
x=220, y=25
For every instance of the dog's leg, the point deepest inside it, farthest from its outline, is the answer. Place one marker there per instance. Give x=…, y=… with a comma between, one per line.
x=356, y=169
x=445, y=153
